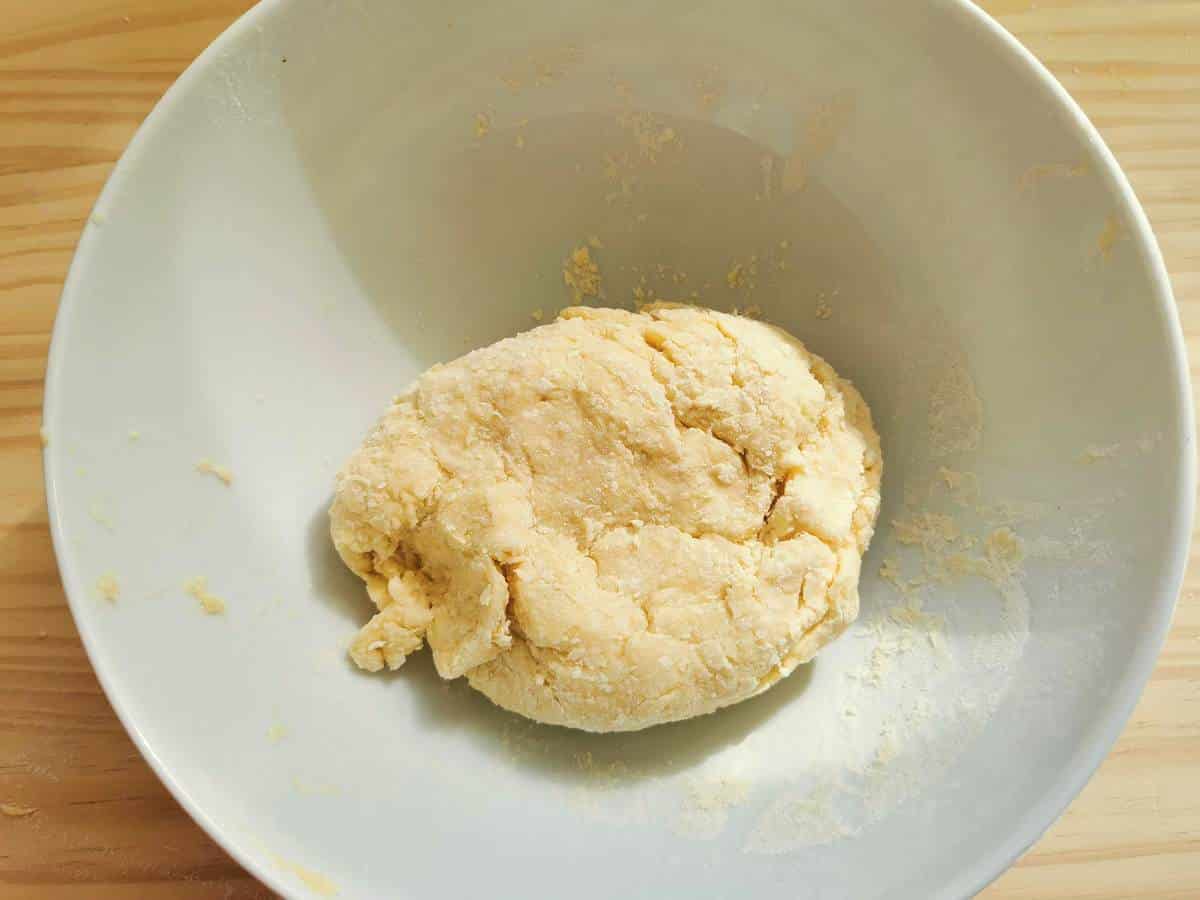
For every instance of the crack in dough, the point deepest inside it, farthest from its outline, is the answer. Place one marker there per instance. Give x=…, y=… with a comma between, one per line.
x=616, y=519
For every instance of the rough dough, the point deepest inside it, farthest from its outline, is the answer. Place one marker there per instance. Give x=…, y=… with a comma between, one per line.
x=616, y=519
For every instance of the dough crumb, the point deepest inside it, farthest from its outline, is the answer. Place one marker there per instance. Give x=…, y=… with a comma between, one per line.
x=314, y=881
x=1003, y=556
x=314, y=788
x=650, y=135
x=931, y=531
x=100, y=516
x=1035, y=174
x=537, y=315
x=276, y=732
x=823, y=310
x=210, y=603
x=17, y=811
x=108, y=588
x=483, y=124
x=135, y=436
x=1095, y=453
x=1113, y=233
x=581, y=274
x=618, y=169
x=207, y=467
x=710, y=87
x=736, y=276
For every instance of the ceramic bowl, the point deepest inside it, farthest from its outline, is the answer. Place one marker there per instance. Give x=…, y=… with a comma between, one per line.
x=337, y=195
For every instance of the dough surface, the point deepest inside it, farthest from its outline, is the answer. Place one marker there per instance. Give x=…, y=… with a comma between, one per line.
x=616, y=519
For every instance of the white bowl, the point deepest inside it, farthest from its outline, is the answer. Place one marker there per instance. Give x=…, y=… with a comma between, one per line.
x=337, y=195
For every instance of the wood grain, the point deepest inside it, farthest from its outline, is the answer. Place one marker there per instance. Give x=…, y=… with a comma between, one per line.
x=76, y=78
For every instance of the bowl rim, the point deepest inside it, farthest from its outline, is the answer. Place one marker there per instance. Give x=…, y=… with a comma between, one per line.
x=1089, y=756
x=1141, y=663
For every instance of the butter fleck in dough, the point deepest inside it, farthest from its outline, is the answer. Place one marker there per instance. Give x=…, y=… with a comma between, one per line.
x=616, y=519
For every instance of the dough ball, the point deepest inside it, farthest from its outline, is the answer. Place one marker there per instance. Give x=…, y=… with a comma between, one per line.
x=616, y=519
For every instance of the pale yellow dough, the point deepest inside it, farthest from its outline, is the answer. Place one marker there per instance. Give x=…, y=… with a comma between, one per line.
x=616, y=519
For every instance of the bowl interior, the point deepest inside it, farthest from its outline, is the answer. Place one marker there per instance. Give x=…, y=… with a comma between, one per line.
x=340, y=195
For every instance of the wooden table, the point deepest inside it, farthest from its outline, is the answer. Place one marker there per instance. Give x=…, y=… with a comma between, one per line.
x=76, y=78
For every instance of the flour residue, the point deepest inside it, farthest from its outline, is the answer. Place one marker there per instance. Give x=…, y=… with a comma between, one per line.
x=955, y=412
x=797, y=819
x=708, y=799
x=541, y=69
x=816, y=135
x=709, y=88
x=931, y=657
x=894, y=703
